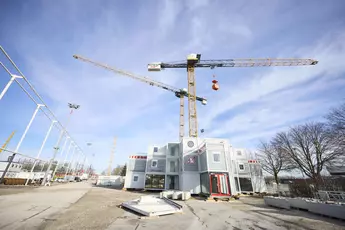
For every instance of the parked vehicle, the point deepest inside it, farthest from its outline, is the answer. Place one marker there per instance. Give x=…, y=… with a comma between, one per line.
x=85, y=176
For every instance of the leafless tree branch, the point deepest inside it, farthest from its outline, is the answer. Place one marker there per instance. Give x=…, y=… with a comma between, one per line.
x=309, y=146
x=273, y=159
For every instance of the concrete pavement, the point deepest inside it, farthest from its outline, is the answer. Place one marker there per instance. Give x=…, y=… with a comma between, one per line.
x=30, y=209
x=247, y=213
x=66, y=207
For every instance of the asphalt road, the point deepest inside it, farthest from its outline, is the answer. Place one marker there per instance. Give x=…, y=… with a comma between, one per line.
x=82, y=206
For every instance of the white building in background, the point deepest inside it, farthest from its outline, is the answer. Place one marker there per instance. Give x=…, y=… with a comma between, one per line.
x=200, y=165
x=14, y=169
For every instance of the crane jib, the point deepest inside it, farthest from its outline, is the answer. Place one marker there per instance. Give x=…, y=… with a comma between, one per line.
x=251, y=62
x=131, y=75
x=193, y=61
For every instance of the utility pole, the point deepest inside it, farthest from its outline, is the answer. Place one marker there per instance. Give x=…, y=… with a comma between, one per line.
x=56, y=149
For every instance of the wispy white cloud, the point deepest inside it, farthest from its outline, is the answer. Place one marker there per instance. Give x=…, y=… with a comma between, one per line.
x=279, y=98
x=131, y=36
x=327, y=51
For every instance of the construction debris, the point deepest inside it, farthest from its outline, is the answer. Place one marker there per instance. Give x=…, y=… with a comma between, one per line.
x=175, y=195
x=153, y=206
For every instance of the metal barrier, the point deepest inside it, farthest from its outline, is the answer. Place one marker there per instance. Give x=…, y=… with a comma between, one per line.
x=338, y=196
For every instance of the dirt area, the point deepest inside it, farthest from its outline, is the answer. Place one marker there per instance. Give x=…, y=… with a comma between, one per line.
x=14, y=189
x=98, y=209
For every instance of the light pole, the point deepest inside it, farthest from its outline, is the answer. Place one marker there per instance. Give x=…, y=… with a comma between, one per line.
x=84, y=168
x=71, y=106
x=69, y=165
x=69, y=148
x=41, y=149
x=20, y=141
x=77, y=163
x=61, y=153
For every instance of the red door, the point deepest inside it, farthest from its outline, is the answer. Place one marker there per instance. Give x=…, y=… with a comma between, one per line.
x=219, y=185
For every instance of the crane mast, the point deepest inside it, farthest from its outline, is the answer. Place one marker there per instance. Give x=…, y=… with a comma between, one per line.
x=111, y=157
x=193, y=120
x=193, y=61
x=7, y=141
x=180, y=93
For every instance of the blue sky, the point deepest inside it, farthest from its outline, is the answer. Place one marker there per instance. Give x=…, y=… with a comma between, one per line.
x=252, y=103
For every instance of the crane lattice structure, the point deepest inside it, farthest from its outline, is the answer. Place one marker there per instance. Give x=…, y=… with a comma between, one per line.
x=111, y=157
x=193, y=61
x=180, y=93
x=7, y=141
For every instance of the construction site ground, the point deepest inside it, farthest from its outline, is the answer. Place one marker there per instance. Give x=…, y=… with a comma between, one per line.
x=84, y=206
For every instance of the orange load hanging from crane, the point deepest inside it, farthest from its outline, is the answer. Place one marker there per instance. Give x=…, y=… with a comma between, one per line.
x=215, y=86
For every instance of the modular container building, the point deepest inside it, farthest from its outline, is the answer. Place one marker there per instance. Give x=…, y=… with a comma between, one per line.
x=200, y=165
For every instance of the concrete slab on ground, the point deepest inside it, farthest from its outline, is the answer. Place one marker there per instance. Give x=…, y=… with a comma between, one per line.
x=151, y=205
x=28, y=210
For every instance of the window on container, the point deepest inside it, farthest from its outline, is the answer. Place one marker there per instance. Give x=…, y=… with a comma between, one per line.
x=241, y=166
x=155, y=149
x=239, y=153
x=172, y=166
x=173, y=151
x=135, y=178
x=154, y=163
x=216, y=157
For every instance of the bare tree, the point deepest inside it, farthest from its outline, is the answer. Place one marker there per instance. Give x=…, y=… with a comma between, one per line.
x=273, y=159
x=309, y=146
x=336, y=119
x=336, y=122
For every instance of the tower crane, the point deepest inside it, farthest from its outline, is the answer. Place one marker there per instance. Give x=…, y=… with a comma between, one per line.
x=180, y=93
x=111, y=158
x=7, y=141
x=193, y=61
